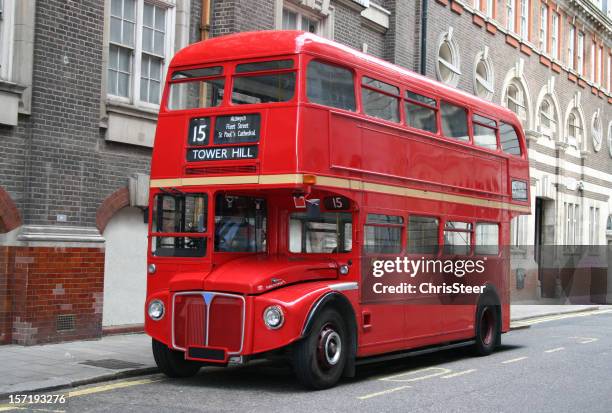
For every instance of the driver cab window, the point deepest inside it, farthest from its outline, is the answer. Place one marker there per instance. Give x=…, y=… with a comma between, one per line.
x=240, y=224
x=326, y=232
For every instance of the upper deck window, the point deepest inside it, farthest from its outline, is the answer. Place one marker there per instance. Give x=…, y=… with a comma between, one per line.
x=378, y=100
x=264, y=88
x=330, y=85
x=509, y=139
x=485, y=132
x=454, y=121
x=421, y=112
x=204, y=91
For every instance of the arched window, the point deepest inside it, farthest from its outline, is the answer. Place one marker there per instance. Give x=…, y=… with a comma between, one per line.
x=548, y=118
x=574, y=129
x=515, y=100
x=448, y=67
x=483, y=76
x=596, y=131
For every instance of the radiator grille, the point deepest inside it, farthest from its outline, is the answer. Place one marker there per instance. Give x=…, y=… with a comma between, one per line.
x=224, y=315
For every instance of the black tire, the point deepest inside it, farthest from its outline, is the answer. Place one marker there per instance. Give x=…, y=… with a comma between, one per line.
x=172, y=363
x=320, y=357
x=488, y=326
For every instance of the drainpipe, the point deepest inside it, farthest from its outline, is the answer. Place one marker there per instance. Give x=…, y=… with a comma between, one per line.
x=424, y=7
x=205, y=22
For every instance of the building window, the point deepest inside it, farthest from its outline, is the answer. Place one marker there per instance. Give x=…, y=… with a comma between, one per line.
x=483, y=76
x=294, y=20
x=570, y=47
x=594, y=226
x=580, y=54
x=510, y=17
x=543, y=28
x=554, y=37
x=574, y=129
x=572, y=230
x=517, y=231
x=609, y=74
x=600, y=61
x=592, y=66
x=548, y=118
x=139, y=43
x=610, y=138
x=448, y=67
x=515, y=100
x=596, y=131
x=6, y=37
x=524, y=22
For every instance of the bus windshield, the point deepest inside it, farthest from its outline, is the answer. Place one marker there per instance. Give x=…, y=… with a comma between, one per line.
x=240, y=223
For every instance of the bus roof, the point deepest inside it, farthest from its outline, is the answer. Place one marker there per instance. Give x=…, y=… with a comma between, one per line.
x=248, y=45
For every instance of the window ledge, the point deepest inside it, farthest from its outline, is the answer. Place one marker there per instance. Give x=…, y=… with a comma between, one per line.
x=10, y=96
x=376, y=18
x=129, y=124
x=357, y=5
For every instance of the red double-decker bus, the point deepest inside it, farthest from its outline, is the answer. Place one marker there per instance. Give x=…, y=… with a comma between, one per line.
x=284, y=165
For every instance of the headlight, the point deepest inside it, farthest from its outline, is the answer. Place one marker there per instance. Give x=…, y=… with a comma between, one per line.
x=156, y=310
x=151, y=268
x=273, y=317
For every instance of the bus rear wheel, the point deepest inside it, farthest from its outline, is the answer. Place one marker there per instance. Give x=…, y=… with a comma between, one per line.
x=172, y=363
x=487, y=328
x=320, y=357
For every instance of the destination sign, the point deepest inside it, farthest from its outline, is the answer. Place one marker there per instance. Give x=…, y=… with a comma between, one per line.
x=199, y=131
x=221, y=153
x=237, y=128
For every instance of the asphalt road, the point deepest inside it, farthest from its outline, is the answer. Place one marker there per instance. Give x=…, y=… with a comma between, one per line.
x=558, y=365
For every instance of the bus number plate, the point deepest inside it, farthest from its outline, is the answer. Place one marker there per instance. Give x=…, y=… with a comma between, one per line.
x=220, y=153
x=237, y=128
x=199, y=131
x=336, y=203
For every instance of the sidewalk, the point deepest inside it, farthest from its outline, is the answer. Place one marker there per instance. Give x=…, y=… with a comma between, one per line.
x=54, y=366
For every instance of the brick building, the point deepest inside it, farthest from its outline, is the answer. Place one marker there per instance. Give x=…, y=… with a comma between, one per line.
x=79, y=89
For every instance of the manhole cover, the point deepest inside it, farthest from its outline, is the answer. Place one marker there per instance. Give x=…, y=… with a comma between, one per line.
x=112, y=364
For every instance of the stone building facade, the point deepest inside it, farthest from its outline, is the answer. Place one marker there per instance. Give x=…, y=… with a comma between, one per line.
x=79, y=93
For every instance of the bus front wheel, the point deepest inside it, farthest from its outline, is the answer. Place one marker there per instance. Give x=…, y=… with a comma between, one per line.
x=487, y=328
x=319, y=358
x=172, y=363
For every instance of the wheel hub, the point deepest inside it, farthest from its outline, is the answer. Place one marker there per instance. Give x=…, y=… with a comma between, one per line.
x=330, y=347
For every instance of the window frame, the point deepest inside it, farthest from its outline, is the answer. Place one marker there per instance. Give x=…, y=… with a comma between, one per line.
x=495, y=128
x=232, y=75
x=398, y=97
x=468, y=120
x=440, y=243
x=7, y=33
x=136, y=54
x=356, y=87
x=401, y=226
x=436, y=108
x=498, y=245
x=470, y=240
x=571, y=47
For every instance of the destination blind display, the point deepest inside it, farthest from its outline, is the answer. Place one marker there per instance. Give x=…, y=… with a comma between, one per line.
x=237, y=129
x=219, y=153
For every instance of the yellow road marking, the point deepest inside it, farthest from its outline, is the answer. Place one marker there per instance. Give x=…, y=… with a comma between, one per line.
x=559, y=317
x=514, y=360
x=553, y=350
x=83, y=392
x=438, y=372
x=459, y=373
x=381, y=393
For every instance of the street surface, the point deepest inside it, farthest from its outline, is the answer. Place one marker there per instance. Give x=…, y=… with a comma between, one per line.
x=559, y=364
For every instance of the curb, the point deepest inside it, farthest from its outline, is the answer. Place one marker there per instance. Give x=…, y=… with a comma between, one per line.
x=82, y=382
x=531, y=317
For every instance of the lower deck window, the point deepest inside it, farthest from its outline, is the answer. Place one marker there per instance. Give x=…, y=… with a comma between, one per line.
x=179, y=225
x=487, y=239
x=457, y=237
x=240, y=223
x=383, y=234
x=422, y=235
x=328, y=232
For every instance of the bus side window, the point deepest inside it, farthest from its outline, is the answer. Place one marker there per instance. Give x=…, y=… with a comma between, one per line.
x=487, y=238
x=457, y=238
x=485, y=132
x=423, y=235
x=383, y=234
x=330, y=85
x=421, y=112
x=380, y=99
x=509, y=139
x=454, y=121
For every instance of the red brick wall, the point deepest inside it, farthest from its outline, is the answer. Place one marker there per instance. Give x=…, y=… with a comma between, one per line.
x=44, y=282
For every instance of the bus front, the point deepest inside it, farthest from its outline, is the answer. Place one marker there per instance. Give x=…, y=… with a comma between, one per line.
x=241, y=246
